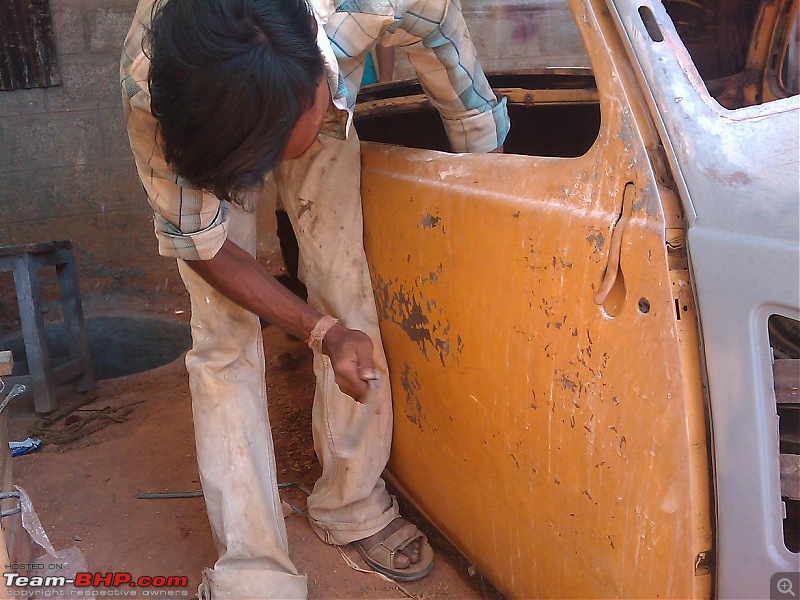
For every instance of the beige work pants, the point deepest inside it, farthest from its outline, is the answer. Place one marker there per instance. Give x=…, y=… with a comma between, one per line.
x=235, y=454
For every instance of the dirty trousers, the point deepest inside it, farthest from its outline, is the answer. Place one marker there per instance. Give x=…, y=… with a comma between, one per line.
x=321, y=194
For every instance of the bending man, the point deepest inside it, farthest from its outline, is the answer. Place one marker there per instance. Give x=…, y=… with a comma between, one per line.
x=218, y=94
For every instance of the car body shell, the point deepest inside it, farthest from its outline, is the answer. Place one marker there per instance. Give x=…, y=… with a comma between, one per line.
x=578, y=344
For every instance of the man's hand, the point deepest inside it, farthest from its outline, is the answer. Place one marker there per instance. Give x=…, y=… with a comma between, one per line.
x=350, y=352
x=238, y=276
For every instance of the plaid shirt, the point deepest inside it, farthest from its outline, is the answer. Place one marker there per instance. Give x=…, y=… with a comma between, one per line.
x=191, y=223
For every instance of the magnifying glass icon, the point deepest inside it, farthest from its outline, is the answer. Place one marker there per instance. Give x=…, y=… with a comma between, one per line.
x=784, y=586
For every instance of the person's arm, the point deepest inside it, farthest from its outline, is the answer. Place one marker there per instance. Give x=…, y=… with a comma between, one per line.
x=245, y=281
x=385, y=56
x=447, y=65
x=191, y=224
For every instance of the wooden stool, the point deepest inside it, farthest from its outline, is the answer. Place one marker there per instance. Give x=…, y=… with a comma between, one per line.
x=44, y=372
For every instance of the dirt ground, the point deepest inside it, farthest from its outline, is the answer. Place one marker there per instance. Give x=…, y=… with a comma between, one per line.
x=84, y=491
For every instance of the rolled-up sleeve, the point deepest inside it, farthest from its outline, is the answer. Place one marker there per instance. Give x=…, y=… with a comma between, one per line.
x=189, y=223
x=451, y=75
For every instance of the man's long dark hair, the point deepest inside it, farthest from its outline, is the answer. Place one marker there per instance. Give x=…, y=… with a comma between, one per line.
x=229, y=80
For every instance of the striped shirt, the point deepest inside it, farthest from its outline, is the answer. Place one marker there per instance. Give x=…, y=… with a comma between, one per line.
x=191, y=223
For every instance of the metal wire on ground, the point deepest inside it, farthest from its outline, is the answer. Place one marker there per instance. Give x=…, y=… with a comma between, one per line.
x=51, y=430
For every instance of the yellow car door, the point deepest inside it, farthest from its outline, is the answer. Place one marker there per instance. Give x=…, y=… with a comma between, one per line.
x=543, y=346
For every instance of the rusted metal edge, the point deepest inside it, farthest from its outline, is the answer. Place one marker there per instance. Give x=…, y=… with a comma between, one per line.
x=415, y=102
x=6, y=363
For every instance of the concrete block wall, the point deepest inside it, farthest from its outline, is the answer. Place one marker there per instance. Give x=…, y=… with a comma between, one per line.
x=518, y=34
x=66, y=170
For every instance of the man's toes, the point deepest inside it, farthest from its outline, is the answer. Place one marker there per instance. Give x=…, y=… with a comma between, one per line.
x=414, y=561
x=414, y=552
x=402, y=561
x=411, y=553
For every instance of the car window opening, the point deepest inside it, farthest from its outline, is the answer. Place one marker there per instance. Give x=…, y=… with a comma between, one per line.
x=551, y=115
x=728, y=49
x=784, y=339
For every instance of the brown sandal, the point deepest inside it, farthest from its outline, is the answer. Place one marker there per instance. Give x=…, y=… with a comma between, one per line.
x=381, y=557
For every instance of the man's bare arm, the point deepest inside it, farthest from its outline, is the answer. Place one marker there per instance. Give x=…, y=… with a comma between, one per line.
x=245, y=281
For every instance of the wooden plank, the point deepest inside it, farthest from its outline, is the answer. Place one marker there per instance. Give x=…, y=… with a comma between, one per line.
x=26, y=281
x=27, y=45
x=786, y=372
x=790, y=476
x=6, y=363
x=69, y=371
x=68, y=284
x=36, y=248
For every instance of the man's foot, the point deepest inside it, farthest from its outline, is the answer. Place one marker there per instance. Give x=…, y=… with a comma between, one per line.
x=399, y=550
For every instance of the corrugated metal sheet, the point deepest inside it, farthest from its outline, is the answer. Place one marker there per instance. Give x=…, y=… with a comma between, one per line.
x=27, y=45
